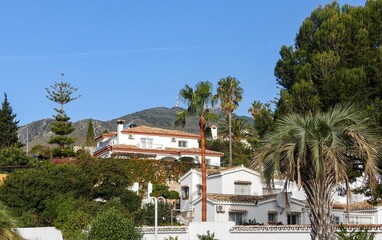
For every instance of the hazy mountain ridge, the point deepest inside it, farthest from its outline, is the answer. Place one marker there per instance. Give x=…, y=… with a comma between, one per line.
x=162, y=117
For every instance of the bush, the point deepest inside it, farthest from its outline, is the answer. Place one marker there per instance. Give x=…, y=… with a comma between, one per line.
x=207, y=236
x=355, y=234
x=14, y=157
x=111, y=225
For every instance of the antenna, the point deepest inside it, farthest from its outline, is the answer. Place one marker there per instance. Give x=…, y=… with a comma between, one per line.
x=129, y=124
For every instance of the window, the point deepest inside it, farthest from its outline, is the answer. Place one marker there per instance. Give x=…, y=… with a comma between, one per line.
x=272, y=217
x=199, y=189
x=182, y=143
x=208, y=161
x=360, y=220
x=336, y=220
x=131, y=136
x=242, y=188
x=293, y=218
x=173, y=140
x=185, y=192
x=235, y=217
x=147, y=142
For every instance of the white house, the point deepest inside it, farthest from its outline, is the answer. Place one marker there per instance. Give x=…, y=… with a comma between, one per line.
x=236, y=194
x=156, y=143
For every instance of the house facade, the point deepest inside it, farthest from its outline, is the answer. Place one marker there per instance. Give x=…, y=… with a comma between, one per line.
x=155, y=143
x=237, y=194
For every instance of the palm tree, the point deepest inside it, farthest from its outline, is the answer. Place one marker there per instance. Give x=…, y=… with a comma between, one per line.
x=262, y=116
x=314, y=150
x=230, y=94
x=198, y=103
x=241, y=130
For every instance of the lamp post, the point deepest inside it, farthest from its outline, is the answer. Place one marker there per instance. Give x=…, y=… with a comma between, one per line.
x=156, y=199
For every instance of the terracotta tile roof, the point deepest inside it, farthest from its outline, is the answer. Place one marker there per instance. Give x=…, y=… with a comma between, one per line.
x=106, y=135
x=356, y=206
x=159, y=132
x=233, y=198
x=173, y=151
x=214, y=171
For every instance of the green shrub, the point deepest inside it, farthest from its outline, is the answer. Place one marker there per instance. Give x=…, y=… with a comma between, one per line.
x=111, y=225
x=356, y=234
x=208, y=236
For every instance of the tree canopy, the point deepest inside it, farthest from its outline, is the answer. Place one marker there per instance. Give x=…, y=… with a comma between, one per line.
x=337, y=57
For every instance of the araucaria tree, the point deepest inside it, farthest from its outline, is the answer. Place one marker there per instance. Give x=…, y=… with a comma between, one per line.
x=8, y=125
x=61, y=93
x=230, y=94
x=314, y=150
x=198, y=102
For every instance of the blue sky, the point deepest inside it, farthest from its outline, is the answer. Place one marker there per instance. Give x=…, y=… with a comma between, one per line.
x=126, y=56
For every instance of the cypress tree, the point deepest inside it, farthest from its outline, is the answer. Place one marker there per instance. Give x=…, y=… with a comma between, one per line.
x=8, y=125
x=90, y=135
x=61, y=93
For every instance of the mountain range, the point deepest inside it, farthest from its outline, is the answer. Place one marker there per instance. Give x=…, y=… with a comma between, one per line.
x=38, y=132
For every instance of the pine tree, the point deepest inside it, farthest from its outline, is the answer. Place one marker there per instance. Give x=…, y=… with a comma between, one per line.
x=8, y=125
x=61, y=93
x=90, y=135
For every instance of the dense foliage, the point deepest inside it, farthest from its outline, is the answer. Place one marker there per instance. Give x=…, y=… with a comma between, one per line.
x=58, y=194
x=242, y=153
x=164, y=214
x=13, y=156
x=337, y=57
x=112, y=225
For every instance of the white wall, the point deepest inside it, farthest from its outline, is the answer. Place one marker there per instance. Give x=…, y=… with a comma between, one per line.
x=227, y=231
x=159, y=142
x=225, y=182
x=191, y=180
x=40, y=233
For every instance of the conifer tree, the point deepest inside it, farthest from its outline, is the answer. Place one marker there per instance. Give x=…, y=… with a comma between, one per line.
x=61, y=93
x=8, y=125
x=90, y=135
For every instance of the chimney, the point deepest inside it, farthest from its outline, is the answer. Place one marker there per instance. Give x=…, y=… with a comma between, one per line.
x=120, y=123
x=214, y=132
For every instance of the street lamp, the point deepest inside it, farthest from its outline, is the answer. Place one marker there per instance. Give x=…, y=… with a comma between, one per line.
x=156, y=199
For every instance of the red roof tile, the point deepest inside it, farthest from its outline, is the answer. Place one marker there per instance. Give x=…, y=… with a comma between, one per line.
x=173, y=151
x=218, y=197
x=159, y=132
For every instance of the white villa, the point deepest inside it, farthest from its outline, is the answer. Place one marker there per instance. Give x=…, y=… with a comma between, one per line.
x=156, y=143
x=237, y=194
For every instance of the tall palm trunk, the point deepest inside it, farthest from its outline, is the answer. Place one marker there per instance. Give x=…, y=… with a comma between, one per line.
x=319, y=199
x=202, y=126
x=230, y=137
